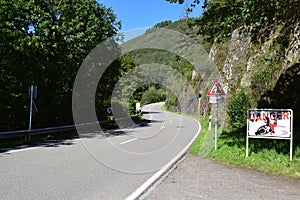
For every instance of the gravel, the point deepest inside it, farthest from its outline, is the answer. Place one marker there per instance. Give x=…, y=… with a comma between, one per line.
x=200, y=178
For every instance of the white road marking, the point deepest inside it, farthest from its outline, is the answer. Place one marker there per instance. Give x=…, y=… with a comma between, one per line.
x=143, y=188
x=19, y=150
x=131, y=140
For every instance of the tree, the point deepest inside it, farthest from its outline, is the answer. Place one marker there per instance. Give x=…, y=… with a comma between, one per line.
x=182, y=1
x=44, y=42
x=221, y=17
x=110, y=78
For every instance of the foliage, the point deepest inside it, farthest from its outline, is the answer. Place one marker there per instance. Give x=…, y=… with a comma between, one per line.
x=108, y=81
x=237, y=109
x=198, y=143
x=271, y=156
x=221, y=17
x=172, y=100
x=44, y=43
x=176, y=1
x=182, y=1
x=152, y=95
x=162, y=57
x=163, y=24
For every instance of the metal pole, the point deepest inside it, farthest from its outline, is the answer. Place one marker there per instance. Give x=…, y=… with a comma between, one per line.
x=216, y=125
x=30, y=108
x=247, y=134
x=291, y=149
x=209, y=123
x=247, y=144
x=291, y=139
x=199, y=107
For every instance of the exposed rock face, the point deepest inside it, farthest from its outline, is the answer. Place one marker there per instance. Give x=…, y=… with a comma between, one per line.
x=237, y=52
x=293, y=52
x=266, y=63
x=244, y=55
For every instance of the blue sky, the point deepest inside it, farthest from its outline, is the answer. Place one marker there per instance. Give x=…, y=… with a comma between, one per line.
x=137, y=15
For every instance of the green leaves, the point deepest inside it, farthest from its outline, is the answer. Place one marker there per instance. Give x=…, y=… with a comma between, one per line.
x=44, y=42
x=176, y=1
x=237, y=109
x=222, y=17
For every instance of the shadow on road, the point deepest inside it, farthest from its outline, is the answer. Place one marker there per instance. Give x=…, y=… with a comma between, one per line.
x=150, y=112
x=129, y=129
x=47, y=144
x=59, y=140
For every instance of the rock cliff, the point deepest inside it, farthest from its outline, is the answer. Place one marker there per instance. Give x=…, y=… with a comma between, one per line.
x=265, y=63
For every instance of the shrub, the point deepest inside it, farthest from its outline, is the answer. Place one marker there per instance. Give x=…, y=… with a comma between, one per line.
x=237, y=109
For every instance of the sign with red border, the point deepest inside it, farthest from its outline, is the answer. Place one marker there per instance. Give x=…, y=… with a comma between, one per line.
x=270, y=124
x=216, y=89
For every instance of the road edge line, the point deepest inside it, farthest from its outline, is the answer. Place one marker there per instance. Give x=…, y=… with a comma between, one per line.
x=154, y=178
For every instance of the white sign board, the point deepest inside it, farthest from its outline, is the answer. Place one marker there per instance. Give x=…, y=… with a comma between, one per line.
x=138, y=106
x=216, y=99
x=270, y=124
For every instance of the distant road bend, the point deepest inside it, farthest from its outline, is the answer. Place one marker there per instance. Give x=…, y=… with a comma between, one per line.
x=111, y=166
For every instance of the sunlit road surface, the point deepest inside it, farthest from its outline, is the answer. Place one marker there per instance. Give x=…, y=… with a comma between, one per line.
x=110, y=166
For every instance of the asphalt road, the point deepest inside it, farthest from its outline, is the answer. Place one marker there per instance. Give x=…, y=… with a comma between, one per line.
x=108, y=165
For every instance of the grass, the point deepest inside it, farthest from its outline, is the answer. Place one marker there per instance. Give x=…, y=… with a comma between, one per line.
x=271, y=156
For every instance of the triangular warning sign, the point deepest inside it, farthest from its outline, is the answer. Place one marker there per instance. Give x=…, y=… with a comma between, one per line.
x=216, y=89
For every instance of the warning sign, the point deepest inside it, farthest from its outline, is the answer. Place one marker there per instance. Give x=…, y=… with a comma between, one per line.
x=270, y=123
x=216, y=89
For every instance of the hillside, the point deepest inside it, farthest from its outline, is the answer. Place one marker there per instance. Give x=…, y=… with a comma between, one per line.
x=261, y=60
x=253, y=49
x=173, y=60
x=257, y=65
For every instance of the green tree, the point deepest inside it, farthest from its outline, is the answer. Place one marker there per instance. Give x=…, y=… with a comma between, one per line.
x=44, y=42
x=221, y=17
x=110, y=78
x=153, y=94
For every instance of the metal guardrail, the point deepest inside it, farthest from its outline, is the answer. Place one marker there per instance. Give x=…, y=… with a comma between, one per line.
x=42, y=131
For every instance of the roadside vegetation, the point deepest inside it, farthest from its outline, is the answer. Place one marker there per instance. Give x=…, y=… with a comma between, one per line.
x=271, y=156
x=50, y=42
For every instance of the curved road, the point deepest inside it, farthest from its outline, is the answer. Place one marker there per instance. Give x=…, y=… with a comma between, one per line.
x=110, y=165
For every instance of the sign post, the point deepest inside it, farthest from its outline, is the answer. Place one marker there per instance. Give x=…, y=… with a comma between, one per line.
x=32, y=94
x=204, y=106
x=216, y=96
x=137, y=107
x=109, y=114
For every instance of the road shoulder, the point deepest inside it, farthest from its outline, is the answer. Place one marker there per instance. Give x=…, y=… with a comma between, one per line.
x=201, y=178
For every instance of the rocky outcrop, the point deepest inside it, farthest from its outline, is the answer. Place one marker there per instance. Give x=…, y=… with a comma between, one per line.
x=248, y=61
